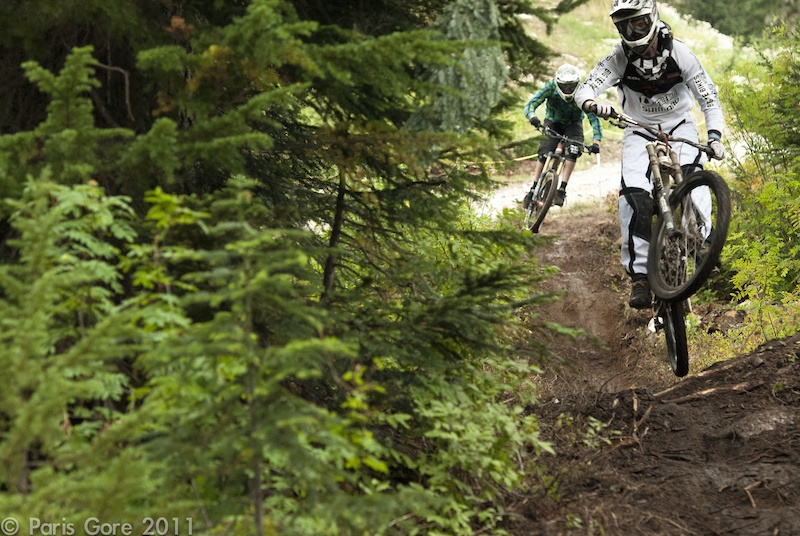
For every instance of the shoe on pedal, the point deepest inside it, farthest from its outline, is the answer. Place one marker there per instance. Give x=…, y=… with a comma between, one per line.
x=561, y=195
x=526, y=201
x=640, y=295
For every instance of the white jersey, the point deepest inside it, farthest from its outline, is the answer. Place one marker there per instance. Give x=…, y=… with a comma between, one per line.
x=664, y=109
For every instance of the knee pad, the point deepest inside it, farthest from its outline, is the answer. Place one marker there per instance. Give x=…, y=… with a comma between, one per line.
x=573, y=151
x=641, y=202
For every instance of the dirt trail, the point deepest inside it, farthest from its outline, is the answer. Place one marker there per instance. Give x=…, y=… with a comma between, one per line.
x=717, y=452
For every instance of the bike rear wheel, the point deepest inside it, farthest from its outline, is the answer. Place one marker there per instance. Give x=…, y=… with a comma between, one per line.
x=673, y=317
x=541, y=203
x=679, y=263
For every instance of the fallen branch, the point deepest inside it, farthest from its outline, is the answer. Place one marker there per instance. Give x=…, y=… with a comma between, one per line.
x=749, y=495
x=744, y=387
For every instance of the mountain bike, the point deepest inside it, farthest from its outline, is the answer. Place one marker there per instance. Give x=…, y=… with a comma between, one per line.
x=693, y=214
x=543, y=191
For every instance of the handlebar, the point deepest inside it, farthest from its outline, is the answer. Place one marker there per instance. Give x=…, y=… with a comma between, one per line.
x=621, y=120
x=547, y=131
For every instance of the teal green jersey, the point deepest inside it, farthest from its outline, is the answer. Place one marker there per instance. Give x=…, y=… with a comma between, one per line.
x=560, y=111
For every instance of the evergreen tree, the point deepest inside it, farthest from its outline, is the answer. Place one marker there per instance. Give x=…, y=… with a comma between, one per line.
x=472, y=87
x=239, y=288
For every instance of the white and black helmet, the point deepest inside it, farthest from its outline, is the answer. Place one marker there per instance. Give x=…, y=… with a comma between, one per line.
x=567, y=79
x=637, y=23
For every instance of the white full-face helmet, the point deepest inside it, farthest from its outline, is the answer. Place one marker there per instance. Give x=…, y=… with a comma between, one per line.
x=636, y=22
x=567, y=79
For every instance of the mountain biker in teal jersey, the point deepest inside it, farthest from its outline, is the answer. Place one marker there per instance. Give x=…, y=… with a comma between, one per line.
x=566, y=118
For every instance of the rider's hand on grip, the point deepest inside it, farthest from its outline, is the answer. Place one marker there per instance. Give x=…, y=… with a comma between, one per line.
x=535, y=121
x=594, y=148
x=717, y=147
x=603, y=110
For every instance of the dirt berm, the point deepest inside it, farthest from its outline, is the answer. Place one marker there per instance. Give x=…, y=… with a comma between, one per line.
x=716, y=452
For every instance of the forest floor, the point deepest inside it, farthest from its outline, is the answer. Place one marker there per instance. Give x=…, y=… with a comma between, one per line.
x=638, y=450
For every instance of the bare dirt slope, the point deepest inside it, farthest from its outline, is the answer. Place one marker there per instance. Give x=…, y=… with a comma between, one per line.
x=717, y=452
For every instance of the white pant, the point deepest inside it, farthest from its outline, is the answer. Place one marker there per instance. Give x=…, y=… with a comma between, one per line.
x=635, y=208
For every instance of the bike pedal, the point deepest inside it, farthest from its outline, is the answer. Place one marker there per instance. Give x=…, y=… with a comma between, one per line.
x=655, y=325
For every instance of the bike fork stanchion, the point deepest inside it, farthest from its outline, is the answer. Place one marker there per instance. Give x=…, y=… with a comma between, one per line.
x=660, y=186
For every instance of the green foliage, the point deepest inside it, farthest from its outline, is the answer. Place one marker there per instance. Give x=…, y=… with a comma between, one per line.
x=67, y=140
x=66, y=344
x=762, y=245
x=748, y=18
x=761, y=255
x=229, y=384
x=240, y=288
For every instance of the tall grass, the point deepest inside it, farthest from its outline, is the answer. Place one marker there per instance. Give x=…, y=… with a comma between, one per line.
x=586, y=34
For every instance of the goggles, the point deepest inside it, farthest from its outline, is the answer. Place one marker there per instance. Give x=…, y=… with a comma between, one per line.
x=635, y=28
x=568, y=88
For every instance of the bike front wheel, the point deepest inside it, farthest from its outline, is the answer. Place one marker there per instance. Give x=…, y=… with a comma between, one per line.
x=673, y=317
x=680, y=261
x=540, y=204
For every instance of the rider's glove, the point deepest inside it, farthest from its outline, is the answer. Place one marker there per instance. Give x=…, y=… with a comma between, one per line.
x=716, y=146
x=594, y=148
x=535, y=121
x=603, y=110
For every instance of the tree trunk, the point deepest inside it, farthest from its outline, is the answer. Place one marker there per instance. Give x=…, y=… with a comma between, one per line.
x=336, y=233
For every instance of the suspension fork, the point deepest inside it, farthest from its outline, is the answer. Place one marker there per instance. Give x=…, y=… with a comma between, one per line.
x=663, y=187
x=552, y=162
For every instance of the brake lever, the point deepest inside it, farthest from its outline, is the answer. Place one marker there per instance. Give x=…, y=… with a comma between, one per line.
x=623, y=121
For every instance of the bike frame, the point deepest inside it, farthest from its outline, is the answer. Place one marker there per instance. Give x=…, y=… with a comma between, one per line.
x=553, y=166
x=664, y=163
x=555, y=159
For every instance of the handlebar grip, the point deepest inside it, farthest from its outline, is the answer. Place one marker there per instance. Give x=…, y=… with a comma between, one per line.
x=606, y=111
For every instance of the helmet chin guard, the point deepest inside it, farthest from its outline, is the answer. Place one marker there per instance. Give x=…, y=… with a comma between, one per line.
x=637, y=23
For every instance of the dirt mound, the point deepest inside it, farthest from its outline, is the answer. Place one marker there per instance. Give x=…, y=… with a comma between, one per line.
x=641, y=452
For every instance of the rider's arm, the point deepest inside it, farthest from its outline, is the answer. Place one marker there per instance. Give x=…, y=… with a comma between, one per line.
x=702, y=87
x=537, y=100
x=605, y=74
x=597, y=127
x=706, y=94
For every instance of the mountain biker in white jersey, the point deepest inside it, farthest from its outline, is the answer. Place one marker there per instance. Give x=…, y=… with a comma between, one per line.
x=658, y=81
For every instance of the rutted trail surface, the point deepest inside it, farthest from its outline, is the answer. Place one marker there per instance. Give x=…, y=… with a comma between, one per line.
x=717, y=452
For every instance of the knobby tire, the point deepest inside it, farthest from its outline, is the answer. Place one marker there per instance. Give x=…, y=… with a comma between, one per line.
x=677, y=268
x=674, y=320
x=541, y=204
